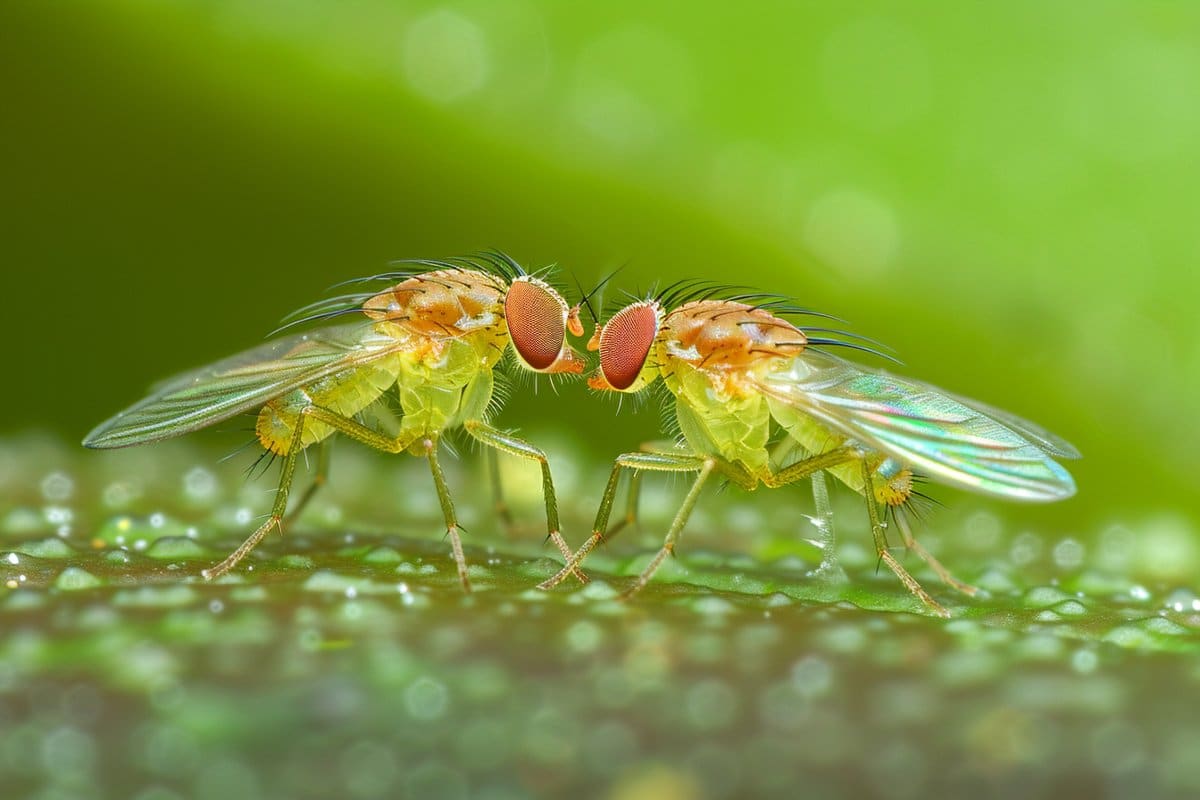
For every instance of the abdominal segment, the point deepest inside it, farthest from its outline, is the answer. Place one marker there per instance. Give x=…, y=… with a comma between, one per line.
x=438, y=386
x=892, y=480
x=347, y=393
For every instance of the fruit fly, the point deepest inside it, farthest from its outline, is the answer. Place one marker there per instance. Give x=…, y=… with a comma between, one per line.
x=429, y=342
x=746, y=383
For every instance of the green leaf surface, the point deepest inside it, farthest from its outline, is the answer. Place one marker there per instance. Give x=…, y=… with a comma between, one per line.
x=344, y=659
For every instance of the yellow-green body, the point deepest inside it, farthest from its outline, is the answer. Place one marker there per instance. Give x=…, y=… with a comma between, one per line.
x=439, y=385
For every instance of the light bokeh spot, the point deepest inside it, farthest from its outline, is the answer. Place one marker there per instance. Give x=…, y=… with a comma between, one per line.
x=630, y=86
x=445, y=56
x=853, y=231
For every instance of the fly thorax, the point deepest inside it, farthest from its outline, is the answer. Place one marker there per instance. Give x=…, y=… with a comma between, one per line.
x=441, y=303
x=726, y=334
x=446, y=363
x=734, y=427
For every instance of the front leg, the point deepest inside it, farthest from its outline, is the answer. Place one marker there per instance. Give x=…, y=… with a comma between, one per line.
x=507, y=443
x=635, y=462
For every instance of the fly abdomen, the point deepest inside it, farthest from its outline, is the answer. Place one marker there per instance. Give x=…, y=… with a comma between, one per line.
x=347, y=393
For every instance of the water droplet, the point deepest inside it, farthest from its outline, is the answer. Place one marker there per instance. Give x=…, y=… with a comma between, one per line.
x=1139, y=592
x=12, y=558
x=74, y=578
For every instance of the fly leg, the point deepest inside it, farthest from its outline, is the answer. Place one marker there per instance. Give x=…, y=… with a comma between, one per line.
x=286, y=472
x=500, y=441
x=881, y=546
x=912, y=544
x=635, y=462
x=634, y=492
x=439, y=481
x=681, y=518
x=822, y=519
x=359, y=432
x=320, y=478
x=498, y=503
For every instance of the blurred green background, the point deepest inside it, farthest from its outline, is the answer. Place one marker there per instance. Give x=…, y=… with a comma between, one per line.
x=1004, y=193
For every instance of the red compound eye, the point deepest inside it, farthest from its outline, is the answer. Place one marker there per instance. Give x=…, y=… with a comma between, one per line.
x=625, y=343
x=537, y=322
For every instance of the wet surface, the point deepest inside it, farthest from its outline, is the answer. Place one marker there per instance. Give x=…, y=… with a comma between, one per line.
x=348, y=662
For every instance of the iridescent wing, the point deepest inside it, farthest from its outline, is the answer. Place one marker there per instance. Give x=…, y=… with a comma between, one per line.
x=950, y=439
x=241, y=383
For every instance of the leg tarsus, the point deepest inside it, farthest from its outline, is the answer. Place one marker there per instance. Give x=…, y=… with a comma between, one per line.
x=939, y=569
x=460, y=559
x=230, y=561
x=647, y=573
x=286, y=471
x=498, y=440
x=568, y=555
x=911, y=584
x=443, y=492
x=885, y=555
x=635, y=462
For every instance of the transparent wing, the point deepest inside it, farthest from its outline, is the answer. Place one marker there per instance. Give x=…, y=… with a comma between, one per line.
x=950, y=439
x=240, y=383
